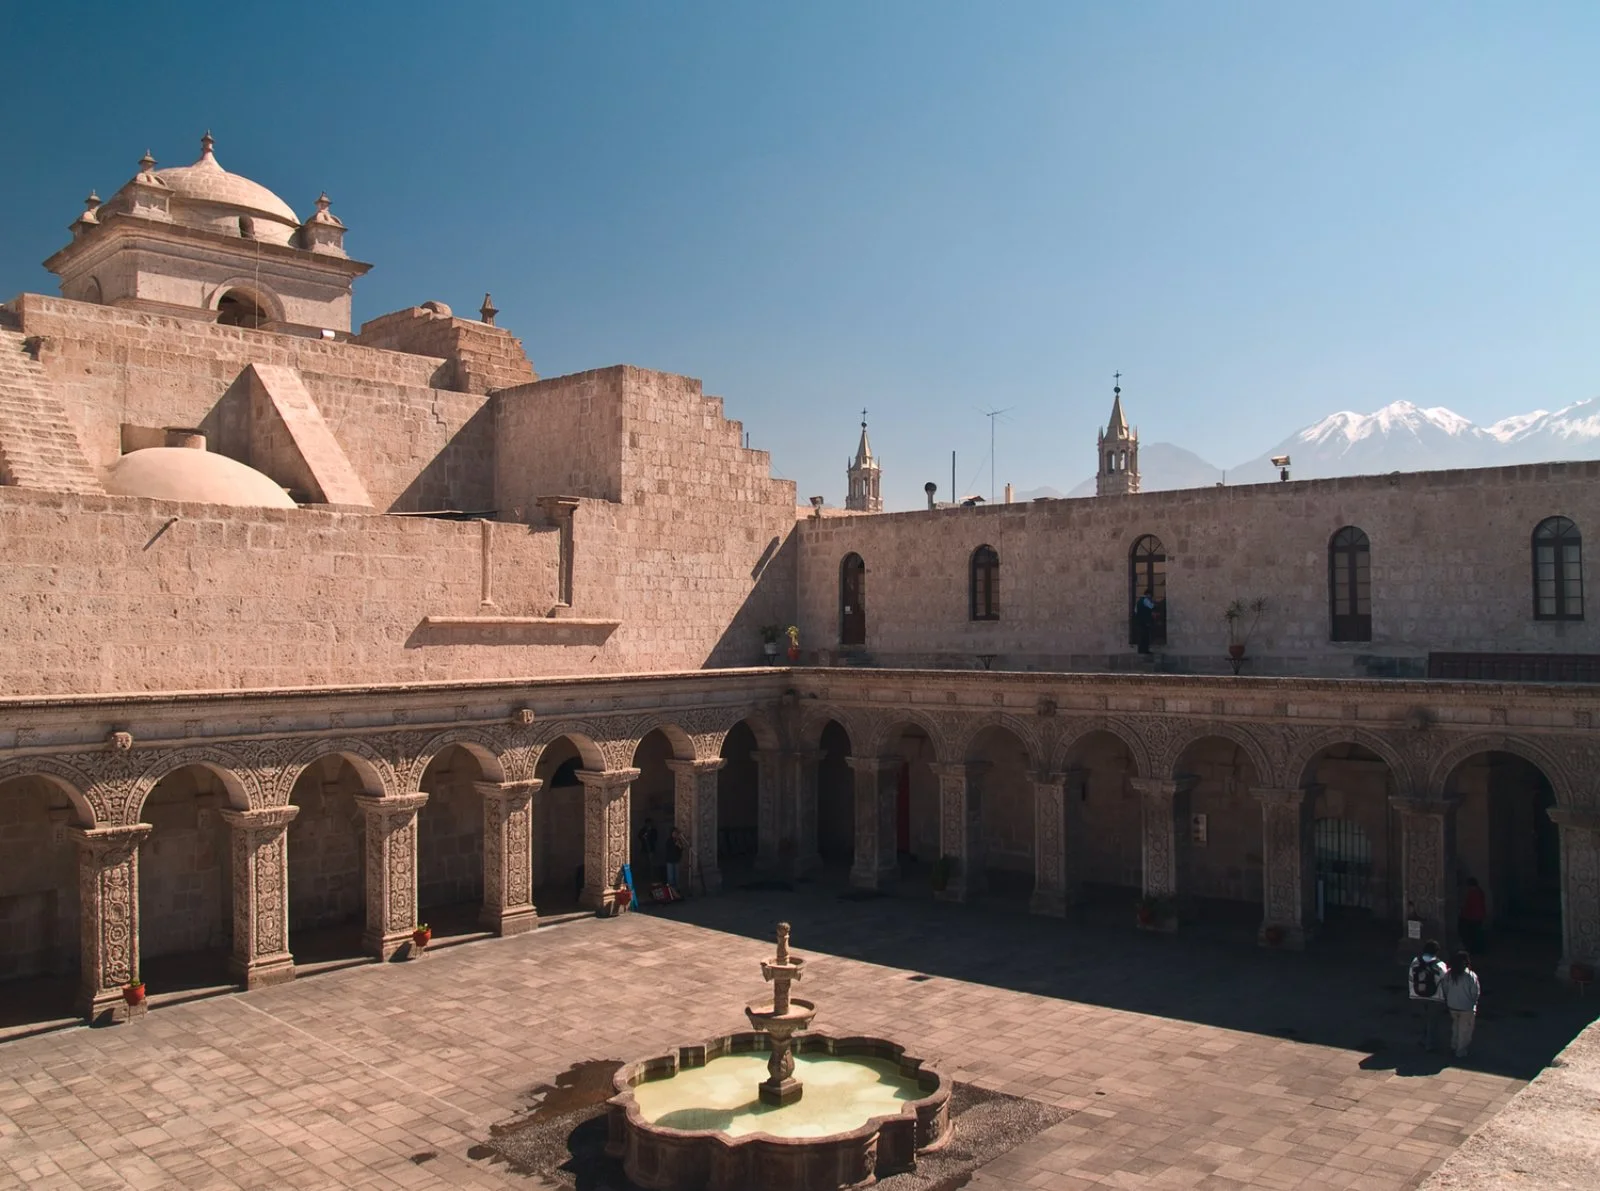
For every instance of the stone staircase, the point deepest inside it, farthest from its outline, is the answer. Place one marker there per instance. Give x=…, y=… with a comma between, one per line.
x=38, y=447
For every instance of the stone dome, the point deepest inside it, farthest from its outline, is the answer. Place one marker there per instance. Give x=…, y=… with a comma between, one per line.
x=205, y=194
x=198, y=477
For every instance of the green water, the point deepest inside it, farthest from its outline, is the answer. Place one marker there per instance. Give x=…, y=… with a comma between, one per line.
x=840, y=1094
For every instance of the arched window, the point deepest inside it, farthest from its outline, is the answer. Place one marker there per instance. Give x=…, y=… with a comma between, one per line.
x=1557, y=570
x=852, y=601
x=1350, y=585
x=985, y=586
x=239, y=309
x=1147, y=572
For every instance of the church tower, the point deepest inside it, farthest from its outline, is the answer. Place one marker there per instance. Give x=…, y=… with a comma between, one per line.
x=865, y=494
x=1118, y=470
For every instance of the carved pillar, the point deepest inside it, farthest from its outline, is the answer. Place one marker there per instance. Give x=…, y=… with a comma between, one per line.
x=803, y=764
x=260, y=841
x=694, y=813
x=1288, y=868
x=508, y=907
x=961, y=827
x=771, y=765
x=108, y=919
x=1428, y=865
x=1163, y=804
x=605, y=832
x=875, y=864
x=1580, y=887
x=391, y=848
x=1050, y=891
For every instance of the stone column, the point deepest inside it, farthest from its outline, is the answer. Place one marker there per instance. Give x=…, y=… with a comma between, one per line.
x=391, y=848
x=260, y=841
x=108, y=919
x=1580, y=888
x=960, y=828
x=508, y=907
x=770, y=767
x=803, y=765
x=605, y=833
x=1162, y=804
x=1428, y=865
x=694, y=813
x=1288, y=869
x=875, y=864
x=1050, y=884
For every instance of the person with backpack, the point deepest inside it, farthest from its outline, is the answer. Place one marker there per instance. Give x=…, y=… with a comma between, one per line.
x=1461, y=992
x=1426, y=987
x=674, y=855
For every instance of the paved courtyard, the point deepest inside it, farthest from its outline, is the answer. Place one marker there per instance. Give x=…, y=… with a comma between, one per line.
x=1184, y=1062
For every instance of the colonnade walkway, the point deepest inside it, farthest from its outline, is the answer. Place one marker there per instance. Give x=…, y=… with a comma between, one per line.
x=1181, y=1060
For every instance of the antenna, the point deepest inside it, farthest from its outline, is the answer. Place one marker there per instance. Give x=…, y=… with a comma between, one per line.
x=992, y=414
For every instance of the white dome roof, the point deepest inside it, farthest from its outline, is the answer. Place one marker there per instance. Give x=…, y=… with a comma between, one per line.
x=198, y=477
x=207, y=182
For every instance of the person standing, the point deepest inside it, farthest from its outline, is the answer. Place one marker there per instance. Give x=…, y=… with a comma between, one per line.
x=1461, y=992
x=1474, y=911
x=1425, y=986
x=648, y=838
x=1144, y=619
x=674, y=855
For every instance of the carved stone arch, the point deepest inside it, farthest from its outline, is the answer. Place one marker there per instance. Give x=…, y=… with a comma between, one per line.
x=585, y=737
x=1025, y=732
x=1074, y=730
x=60, y=776
x=1301, y=753
x=814, y=716
x=760, y=722
x=938, y=734
x=234, y=771
x=1531, y=751
x=683, y=744
x=264, y=298
x=376, y=773
x=486, y=748
x=1233, y=733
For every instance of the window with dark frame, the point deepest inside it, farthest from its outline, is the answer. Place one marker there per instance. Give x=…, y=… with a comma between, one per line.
x=1350, y=585
x=1557, y=570
x=1147, y=571
x=985, y=584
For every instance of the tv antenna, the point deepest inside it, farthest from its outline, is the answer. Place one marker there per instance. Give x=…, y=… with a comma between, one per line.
x=993, y=414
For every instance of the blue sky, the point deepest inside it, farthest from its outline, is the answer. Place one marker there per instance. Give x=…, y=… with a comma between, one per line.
x=1259, y=213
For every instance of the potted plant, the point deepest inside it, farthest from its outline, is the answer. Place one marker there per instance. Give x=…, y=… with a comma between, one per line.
x=1242, y=616
x=1272, y=935
x=1581, y=974
x=1150, y=910
x=943, y=869
x=133, y=991
x=794, y=642
x=422, y=935
x=769, y=640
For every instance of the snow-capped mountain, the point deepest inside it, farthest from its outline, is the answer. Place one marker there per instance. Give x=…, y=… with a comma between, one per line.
x=1399, y=437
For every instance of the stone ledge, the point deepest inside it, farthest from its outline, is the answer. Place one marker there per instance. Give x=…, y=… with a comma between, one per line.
x=512, y=630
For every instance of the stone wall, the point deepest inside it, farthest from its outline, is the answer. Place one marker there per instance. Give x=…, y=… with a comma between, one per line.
x=327, y=879
x=482, y=358
x=1450, y=557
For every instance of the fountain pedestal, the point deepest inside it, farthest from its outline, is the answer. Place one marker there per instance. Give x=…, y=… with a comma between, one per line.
x=780, y=1021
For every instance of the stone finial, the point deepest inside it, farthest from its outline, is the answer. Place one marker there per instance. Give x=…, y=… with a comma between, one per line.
x=207, y=144
x=147, y=164
x=90, y=203
x=323, y=203
x=487, y=310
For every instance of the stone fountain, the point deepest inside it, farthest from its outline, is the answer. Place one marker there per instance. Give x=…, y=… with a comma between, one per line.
x=701, y=1119
x=780, y=1021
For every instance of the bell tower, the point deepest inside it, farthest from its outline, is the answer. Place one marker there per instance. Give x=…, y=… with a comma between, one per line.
x=1118, y=471
x=865, y=495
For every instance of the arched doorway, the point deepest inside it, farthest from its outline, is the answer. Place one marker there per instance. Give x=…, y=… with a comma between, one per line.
x=738, y=803
x=836, y=799
x=558, y=829
x=186, y=882
x=327, y=862
x=1147, y=572
x=653, y=801
x=1003, y=786
x=1218, y=832
x=450, y=843
x=1355, y=840
x=38, y=900
x=916, y=794
x=1507, y=843
x=852, y=601
x=1106, y=850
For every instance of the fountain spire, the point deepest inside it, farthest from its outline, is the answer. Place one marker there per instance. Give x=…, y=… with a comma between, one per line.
x=781, y=1020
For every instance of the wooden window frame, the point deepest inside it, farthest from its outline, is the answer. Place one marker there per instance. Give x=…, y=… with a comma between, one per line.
x=983, y=584
x=1553, y=538
x=1350, y=546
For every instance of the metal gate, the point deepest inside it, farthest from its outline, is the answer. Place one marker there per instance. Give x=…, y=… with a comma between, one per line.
x=1344, y=863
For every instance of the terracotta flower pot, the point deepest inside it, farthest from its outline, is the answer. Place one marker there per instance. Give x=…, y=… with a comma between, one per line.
x=1236, y=651
x=794, y=653
x=1581, y=974
x=133, y=993
x=422, y=937
x=1272, y=936
x=1146, y=917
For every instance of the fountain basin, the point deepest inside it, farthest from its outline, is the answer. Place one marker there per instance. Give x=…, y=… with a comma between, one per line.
x=869, y=1110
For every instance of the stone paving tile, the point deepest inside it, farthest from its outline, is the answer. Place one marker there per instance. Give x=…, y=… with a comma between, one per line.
x=1169, y=1051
